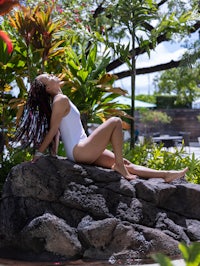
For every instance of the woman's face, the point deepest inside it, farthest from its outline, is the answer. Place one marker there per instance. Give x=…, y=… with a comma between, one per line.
x=51, y=82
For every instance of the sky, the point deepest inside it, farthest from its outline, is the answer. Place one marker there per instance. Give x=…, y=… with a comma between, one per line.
x=164, y=53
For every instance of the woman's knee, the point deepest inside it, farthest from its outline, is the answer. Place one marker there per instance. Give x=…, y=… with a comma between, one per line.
x=115, y=120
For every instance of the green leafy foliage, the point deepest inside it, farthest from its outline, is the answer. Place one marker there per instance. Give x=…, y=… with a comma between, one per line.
x=153, y=119
x=162, y=260
x=12, y=158
x=146, y=98
x=89, y=86
x=156, y=157
x=190, y=255
x=38, y=38
x=182, y=81
x=151, y=116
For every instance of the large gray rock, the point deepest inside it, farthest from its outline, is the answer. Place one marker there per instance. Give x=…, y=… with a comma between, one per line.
x=58, y=209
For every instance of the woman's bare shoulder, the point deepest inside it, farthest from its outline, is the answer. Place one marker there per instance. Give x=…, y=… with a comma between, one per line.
x=61, y=104
x=61, y=98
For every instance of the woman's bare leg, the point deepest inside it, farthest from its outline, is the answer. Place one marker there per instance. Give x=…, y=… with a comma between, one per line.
x=107, y=160
x=93, y=151
x=145, y=172
x=89, y=150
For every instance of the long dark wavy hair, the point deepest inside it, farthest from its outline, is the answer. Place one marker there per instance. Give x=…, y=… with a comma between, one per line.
x=35, y=121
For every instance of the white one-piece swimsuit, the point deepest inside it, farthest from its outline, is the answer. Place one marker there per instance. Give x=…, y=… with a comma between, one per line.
x=72, y=131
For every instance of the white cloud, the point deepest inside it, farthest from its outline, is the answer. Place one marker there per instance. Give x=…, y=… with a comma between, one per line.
x=164, y=53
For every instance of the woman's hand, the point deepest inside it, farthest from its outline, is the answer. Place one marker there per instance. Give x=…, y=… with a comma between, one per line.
x=36, y=156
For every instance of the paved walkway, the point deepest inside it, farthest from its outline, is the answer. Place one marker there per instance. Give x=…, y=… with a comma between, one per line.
x=195, y=150
x=192, y=149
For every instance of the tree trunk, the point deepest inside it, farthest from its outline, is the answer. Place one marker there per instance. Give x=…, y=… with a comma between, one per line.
x=133, y=74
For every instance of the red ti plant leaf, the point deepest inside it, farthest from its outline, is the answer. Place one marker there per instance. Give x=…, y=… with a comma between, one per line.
x=7, y=40
x=5, y=7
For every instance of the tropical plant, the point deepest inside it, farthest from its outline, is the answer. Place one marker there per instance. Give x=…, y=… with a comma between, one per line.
x=6, y=77
x=190, y=254
x=5, y=7
x=90, y=87
x=38, y=39
x=7, y=40
x=155, y=157
x=38, y=47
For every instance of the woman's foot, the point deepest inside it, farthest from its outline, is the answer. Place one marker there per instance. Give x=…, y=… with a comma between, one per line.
x=121, y=169
x=172, y=175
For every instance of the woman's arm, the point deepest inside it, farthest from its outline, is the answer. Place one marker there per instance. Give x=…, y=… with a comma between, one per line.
x=60, y=108
x=54, y=148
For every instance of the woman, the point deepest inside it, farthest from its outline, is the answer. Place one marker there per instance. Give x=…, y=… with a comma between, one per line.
x=64, y=117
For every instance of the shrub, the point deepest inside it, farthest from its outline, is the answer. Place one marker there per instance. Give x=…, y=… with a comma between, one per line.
x=154, y=156
x=190, y=254
x=12, y=158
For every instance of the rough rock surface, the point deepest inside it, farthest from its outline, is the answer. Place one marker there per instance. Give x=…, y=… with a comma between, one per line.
x=58, y=209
